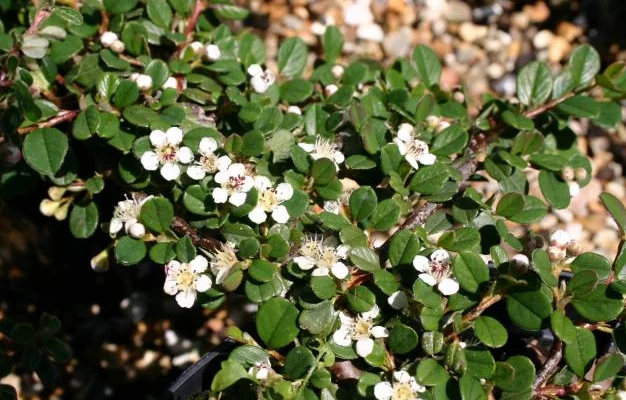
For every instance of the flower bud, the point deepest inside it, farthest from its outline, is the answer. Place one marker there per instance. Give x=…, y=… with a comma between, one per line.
x=580, y=174
x=560, y=238
x=108, y=38
x=100, y=262
x=197, y=47
x=574, y=189
x=556, y=254
x=61, y=212
x=294, y=110
x=567, y=174
x=520, y=263
x=213, y=52
x=459, y=97
x=48, y=207
x=330, y=89
x=137, y=230
x=56, y=193
x=170, y=83
x=118, y=46
x=144, y=82
x=337, y=71
x=574, y=248
x=254, y=70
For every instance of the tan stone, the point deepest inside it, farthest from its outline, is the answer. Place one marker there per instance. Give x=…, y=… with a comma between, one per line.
x=568, y=31
x=537, y=12
x=559, y=49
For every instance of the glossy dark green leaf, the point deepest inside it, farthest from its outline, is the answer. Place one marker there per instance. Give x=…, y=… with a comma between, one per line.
x=45, y=149
x=276, y=323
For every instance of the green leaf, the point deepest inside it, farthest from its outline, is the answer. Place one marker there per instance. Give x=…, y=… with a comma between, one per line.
x=318, y=318
x=25, y=101
x=584, y=64
x=262, y=271
x=430, y=178
x=229, y=373
x=403, y=247
x=140, y=115
x=84, y=220
x=451, y=140
x=157, y=70
x=534, y=209
x=364, y=258
x=563, y=327
x=119, y=6
x=616, y=208
x=592, y=262
x=471, y=389
x=86, y=124
x=332, y=41
x=543, y=266
x=581, y=351
x=324, y=287
x=276, y=323
x=69, y=15
x=323, y=171
x=126, y=94
x=427, y=65
x=432, y=342
x=360, y=299
x=534, y=83
x=163, y=252
x=517, y=120
x=157, y=214
x=608, y=367
x=292, y=55
x=510, y=204
x=296, y=91
x=402, y=339
x=45, y=149
x=228, y=11
x=490, y=332
x=480, y=363
x=386, y=281
x=554, y=189
x=298, y=361
x=580, y=106
x=129, y=251
x=431, y=373
x=61, y=52
x=470, y=270
x=386, y=214
x=601, y=304
x=460, y=239
x=516, y=374
x=362, y=203
x=160, y=13
x=253, y=143
x=529, y=309
x=359, y=161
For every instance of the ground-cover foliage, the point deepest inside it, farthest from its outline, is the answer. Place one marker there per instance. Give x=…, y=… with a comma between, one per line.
x=345, y=202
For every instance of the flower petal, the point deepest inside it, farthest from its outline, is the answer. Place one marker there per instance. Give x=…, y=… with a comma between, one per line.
x=448, y=286
x=383, y=391
x=237, y=199
x=170, y=287
x=280, y=214
x=203, y=283
x=339, y=270
x=174, y=135
x=257, y=215
x=157, y=138
x=364, y=347
x=223, y=163
x=199, y=264
x=115, y=226
x=308, y=147
x=208, y=145
x=406, y=132
x=342, y=337
x=428, y=279
x=380, y=332
x=184, y=155
x=262, y=182
x=196, y=172
x=371, y=314
x=427, y=159
x=305, y=263
x=170, y=171
x=220, y=195
x=186, y=298
x=150, y=160
x=421, y=263
x=284, y=191
x=402, y=376
x=412, y=161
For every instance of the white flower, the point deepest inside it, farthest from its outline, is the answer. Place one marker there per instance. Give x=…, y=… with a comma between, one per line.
x=261, y=370
x=260, y=80
x=436, y=271
x=209, y=162
x=168, y=153
x=324, y=148
x=404, y=387
x=413, y=149
x=324, y=256
x=185, y=280
x=294, y=110
x=222, y=261
x=235, y=183
x=560, y=238
x=360, y=329
x=126, y=216
x=574, y=189
x=144, y=82
x=270, y=201
x=212, y=52
x=436, y=123
x=198, y=48
x=330, y=89
x=337, y=71
x=118, y=46
x=107, y=38
x=398, y=300
x=170, y=83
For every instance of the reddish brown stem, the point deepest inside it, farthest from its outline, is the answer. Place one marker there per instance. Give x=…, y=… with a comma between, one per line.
x=182, y=227
x=191, y=24
x=41, y=16
x=548, y=106
x=549, y=367
x=62, y=116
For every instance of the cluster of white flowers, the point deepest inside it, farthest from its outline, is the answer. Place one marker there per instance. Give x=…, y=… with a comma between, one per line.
x=360, y=329
x=126, y=216
x=168, y=154
x=260, y=80
x=185, y=279
x=437, y=271
x=110, y=40
x=235, y=183
x=413, y=149
x=270, y=201
x=324, y=148
x=404, y=387
x=323, y=256
x=562, y=246
x=210, y=51
x=143, y=81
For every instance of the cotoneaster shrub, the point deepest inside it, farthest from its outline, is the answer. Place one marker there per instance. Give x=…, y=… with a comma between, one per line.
x=348, y=203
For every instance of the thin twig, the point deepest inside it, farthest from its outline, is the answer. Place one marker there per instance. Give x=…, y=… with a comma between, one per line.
x=182, y=227
x=62, y=116
x=550, y=366
x=548, y=106
x=41, y=16
x=198, y=8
